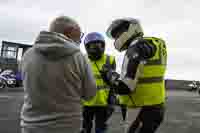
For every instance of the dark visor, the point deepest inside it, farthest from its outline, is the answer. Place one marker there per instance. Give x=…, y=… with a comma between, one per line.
x=118, y=30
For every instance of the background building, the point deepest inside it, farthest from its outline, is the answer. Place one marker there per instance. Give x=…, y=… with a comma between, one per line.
x=10, y=54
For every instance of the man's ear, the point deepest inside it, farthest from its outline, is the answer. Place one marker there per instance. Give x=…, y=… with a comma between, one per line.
x=67, y=32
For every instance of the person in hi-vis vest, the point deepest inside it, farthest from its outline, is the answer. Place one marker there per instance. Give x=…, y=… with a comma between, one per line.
x=141, y=82
x=98, y=107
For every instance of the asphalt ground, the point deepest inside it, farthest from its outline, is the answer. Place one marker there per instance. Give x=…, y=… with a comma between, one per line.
x=182, y=113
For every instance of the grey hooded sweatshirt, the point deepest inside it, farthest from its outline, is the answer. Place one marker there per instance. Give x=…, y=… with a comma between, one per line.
x=56, y=77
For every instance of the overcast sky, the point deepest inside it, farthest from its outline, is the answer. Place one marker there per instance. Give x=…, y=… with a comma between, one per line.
x=176, y=21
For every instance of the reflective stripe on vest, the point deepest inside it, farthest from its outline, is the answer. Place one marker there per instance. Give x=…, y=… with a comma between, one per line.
x=102, y=87
x=97, y=76
x=150, y=80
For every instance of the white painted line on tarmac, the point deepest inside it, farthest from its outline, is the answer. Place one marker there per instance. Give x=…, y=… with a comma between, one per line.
x=4, y=96
x=4, y=119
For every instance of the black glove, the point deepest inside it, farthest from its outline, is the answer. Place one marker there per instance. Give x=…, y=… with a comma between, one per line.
x=112, y=99
x=108, y=75
x=121, y=88
x=146, y=50
x=105, y=74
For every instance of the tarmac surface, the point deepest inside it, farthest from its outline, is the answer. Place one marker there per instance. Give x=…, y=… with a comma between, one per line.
x=182, y=113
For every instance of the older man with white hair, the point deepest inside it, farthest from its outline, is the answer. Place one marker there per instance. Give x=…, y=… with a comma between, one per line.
x=56, y=76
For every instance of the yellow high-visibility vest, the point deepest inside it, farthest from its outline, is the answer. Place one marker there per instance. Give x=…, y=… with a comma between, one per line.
x=101, y=96
x=150, y=89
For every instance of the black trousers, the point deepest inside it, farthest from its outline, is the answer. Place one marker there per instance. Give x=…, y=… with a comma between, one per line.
x=148, y=119
x=101, y=115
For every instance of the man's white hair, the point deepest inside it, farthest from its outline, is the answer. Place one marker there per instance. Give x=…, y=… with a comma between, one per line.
x=60, y=24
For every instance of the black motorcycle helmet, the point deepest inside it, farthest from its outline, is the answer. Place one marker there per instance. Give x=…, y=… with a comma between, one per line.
x=95, y=45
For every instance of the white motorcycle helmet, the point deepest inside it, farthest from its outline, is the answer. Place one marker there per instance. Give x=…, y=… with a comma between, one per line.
x=124, y=31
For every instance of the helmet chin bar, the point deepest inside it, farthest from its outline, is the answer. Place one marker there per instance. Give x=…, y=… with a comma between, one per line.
x=95, y=54
x=126, y=38
x=94, y=57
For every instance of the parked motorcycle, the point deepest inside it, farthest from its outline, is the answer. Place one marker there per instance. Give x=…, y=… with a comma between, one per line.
x=7, y=79
x=195, y=86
